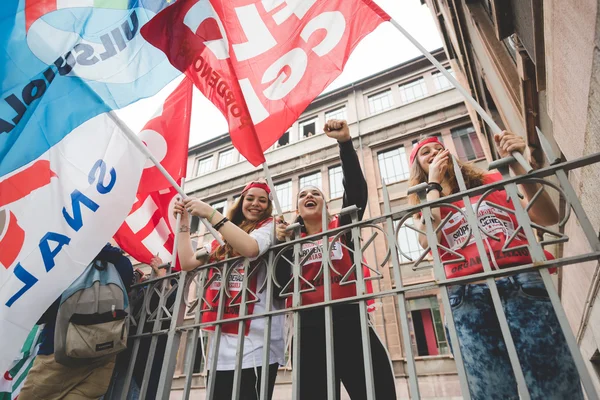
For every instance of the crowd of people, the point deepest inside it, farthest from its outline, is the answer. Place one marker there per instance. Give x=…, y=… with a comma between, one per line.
x=249, y=230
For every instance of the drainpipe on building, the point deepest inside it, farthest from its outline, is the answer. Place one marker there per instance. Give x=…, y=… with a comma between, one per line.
x=362, y=160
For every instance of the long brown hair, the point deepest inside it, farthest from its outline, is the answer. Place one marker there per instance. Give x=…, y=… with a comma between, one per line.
x=472, y=175
x=236, y=216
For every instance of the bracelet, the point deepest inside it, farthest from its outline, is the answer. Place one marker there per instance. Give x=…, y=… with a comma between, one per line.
x=434, y=186
x=220, y=224
x=211, y=216
x=184, y=228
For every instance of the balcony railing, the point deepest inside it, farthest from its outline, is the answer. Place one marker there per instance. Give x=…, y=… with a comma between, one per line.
x=167, y=301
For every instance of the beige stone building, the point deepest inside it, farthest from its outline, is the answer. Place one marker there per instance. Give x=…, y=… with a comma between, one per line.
x=387, y=113
x=536, y=63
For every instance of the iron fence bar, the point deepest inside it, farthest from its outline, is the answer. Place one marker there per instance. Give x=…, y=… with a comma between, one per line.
x=537, y=255
x=136, y=346
x=239, y=355
x=364, y=316
x=216, y=336
x=414, y=288
x=266, y=356
x=413, y=383
x=296, y=301
x=164, y=293
x=173, y=338
x=473, y=222
x=587, y=227
x=192, y=337
x=438, y=271
x=329, y=340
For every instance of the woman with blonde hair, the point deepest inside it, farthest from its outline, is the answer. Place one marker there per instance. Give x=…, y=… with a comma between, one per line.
x=541, y=347
x=247, y=231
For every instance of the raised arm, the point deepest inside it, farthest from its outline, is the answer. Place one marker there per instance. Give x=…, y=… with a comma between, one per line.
x=355, y=185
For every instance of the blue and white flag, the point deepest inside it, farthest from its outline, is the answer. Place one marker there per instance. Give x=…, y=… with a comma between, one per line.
x=68, y=173
x=53, y=51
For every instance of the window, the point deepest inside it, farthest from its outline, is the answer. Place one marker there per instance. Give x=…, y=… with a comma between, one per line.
x=441, y=82
x=408, y=242
x=393, y=165
x=467, y=143
x=336, y=187
x=284, y=139
x=204, y=166
x=225, y=158
x=338, y=113
x=221, y=207
x=412, y=91
x=427, y=329
x=309, y=128
x=380, y=102
x=284, y=194
x=311, y=180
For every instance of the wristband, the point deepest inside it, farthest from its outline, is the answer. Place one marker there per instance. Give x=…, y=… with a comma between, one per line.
x=434, y=186
x=211, y=216
x=220, y=224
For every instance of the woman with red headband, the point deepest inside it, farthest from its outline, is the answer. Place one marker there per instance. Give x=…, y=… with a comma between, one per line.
x=541, y=347
x=348, y=353
x=247, y=231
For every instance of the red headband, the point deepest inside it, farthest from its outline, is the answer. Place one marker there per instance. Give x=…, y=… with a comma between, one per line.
x=260, y=185
x=416, y=147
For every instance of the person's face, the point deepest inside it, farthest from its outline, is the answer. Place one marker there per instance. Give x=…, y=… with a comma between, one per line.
x=310, y=203
x=427, y=153
x=256, y=201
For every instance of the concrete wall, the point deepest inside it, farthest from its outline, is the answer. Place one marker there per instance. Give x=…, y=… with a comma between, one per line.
x=573, y=59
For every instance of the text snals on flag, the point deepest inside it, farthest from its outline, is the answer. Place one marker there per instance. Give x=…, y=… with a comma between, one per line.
x=261, y=63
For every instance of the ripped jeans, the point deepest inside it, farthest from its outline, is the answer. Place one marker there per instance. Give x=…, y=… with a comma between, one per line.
x=545, y=359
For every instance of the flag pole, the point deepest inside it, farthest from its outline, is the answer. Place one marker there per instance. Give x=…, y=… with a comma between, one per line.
x=144, y=149
x=468, y=98
x=272, y=186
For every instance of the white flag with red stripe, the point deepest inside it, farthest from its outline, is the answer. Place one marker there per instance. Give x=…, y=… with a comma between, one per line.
x=148, y=229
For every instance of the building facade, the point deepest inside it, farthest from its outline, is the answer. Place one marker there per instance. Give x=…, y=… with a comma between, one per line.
x=387, y=113
x=531, y=64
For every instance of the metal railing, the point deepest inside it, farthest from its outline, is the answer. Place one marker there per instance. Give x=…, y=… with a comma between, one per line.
x=167, y=300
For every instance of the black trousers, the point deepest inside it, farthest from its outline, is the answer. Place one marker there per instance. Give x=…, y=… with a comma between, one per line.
x=250, y=385
x=348, y=356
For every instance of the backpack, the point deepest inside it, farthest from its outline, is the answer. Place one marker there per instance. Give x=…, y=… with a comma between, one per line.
x=92, y=321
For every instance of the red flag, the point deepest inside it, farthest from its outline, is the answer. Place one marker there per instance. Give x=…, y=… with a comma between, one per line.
x=262, y=63
x=148, y=229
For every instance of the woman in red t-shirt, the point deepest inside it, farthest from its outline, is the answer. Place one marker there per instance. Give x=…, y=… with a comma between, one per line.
x=543, y=354
x=247, y=231
x=348, y=354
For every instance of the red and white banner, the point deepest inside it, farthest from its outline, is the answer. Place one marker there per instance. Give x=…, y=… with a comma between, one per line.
x=148, y=229
x=262, y=62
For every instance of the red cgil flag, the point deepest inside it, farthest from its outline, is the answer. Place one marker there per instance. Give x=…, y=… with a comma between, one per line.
x=148, y=229
x=261, y=63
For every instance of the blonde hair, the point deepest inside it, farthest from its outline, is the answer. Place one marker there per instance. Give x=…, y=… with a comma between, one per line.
x=236, y=216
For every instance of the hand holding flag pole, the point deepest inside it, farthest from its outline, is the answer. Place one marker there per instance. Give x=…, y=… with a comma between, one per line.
x=468, y=98
x=144, y=149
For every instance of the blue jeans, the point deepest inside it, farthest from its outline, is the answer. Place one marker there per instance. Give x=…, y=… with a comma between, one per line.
x=546, y=362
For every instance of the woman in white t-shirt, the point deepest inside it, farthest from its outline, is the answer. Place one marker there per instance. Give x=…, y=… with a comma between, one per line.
x=247, y=231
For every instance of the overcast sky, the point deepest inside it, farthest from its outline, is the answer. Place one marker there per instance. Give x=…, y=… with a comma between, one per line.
x=383, y=48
